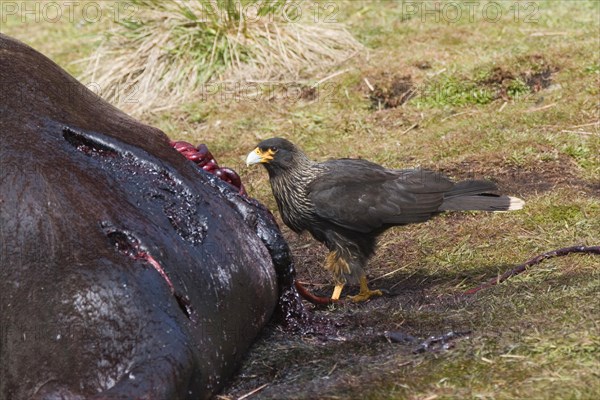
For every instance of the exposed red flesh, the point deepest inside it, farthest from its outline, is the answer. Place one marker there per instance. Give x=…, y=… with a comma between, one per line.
x=203, y=158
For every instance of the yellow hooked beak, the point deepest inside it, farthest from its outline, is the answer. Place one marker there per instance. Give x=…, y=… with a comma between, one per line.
x=258, y=156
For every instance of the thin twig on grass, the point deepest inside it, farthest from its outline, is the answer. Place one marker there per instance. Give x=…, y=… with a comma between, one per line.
x=252, y=392
x=532, y=110
x=535, y=260
x=539, y=34
x=410, y=128
x=584, y=125
x=578, y=132
x=330, y=77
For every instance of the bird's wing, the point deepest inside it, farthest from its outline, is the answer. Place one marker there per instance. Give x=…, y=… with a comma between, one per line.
x=363, y=196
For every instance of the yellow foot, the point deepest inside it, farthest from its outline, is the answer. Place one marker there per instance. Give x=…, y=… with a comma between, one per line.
x=365, y=293
x=364, y=296
x=337, y=291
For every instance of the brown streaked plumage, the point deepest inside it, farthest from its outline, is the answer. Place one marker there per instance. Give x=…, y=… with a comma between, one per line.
x=347, y=203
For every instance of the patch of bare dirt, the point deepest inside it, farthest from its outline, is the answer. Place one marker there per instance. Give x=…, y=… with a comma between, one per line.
x=538, y=80
x=308, y=93
x=498, y=76
x=531, y=178
x=533, y=71
x=423, y=65
x=390, y=90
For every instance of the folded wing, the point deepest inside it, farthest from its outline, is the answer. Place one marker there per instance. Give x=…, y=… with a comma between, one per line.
x=363, y=196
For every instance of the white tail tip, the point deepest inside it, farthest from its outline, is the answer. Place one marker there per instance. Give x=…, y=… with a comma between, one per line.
x=515, y=203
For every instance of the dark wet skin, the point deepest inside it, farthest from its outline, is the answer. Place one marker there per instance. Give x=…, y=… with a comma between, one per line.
x=126, y=271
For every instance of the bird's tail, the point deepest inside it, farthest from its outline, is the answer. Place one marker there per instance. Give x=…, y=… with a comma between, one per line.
x=476, y=196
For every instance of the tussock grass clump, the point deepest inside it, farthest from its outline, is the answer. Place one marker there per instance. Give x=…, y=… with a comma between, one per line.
x=173, y=51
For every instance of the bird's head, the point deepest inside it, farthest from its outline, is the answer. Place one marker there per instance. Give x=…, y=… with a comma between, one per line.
x=276, y=154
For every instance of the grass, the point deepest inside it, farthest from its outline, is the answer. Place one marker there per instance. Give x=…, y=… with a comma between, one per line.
x=172, y=52
x=534, y=129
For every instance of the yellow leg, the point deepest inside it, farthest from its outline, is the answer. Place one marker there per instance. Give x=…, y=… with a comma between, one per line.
x=337, y=291
x=365, y=293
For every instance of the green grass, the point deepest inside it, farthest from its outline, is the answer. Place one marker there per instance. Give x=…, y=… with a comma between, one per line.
x=475, y=113
x=452, y=90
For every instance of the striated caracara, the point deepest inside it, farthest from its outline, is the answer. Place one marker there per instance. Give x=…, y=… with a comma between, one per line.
x=347, y=203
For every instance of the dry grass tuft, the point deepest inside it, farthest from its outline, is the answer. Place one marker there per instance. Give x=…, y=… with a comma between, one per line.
x=180, y=50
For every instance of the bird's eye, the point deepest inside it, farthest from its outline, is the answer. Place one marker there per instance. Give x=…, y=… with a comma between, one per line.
x=273, y=149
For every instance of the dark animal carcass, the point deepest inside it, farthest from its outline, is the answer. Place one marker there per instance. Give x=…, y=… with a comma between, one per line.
x=125, y=271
